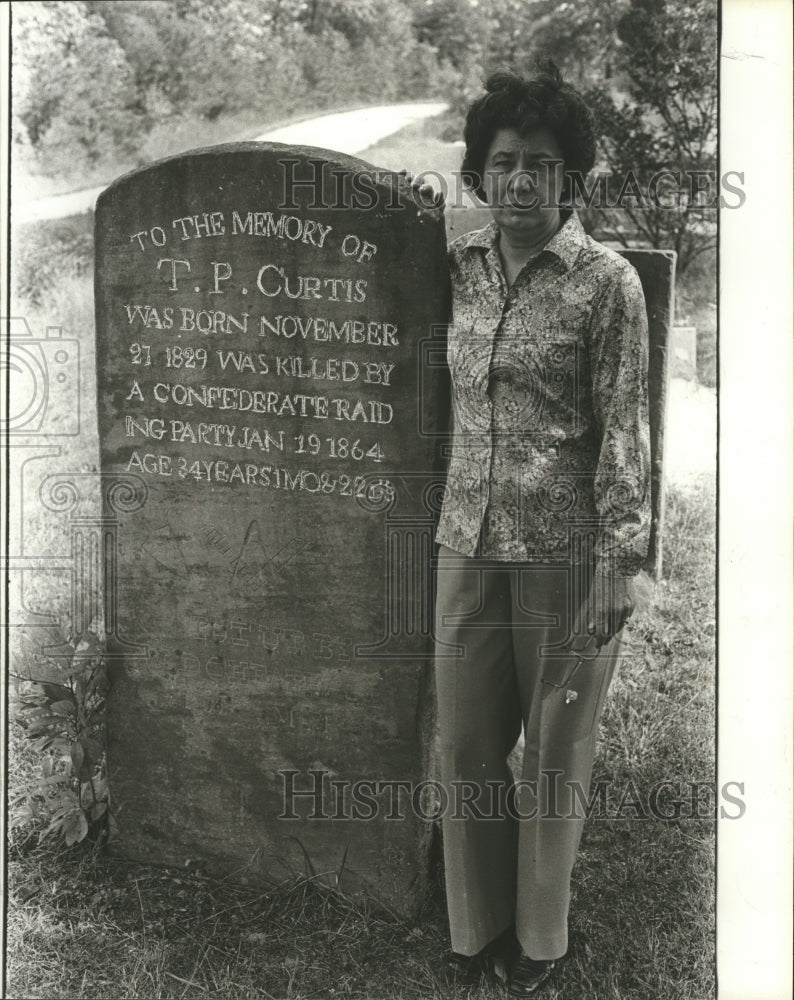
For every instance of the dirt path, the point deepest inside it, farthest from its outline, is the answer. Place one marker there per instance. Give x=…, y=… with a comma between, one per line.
x=346, y=132
x=353, y=131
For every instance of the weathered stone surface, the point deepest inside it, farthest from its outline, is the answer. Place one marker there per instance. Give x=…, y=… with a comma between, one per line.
x=268, y=379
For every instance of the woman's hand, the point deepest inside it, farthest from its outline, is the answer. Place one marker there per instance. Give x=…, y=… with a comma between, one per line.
x=612, y=601
x=424, y=193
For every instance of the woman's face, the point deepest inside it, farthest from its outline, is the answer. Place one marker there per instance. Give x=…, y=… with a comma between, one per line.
x=523, y=179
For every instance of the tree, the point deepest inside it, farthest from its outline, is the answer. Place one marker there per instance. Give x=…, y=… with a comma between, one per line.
x=73, y=87
x=580, y=36
x=452, y=28
x=661, y=131
x=95, y=81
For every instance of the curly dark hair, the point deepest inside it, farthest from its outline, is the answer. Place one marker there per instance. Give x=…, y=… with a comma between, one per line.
x=542, y=101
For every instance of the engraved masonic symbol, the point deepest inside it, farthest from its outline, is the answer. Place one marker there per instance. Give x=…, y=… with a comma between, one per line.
x=163, y=546
x=254, y=568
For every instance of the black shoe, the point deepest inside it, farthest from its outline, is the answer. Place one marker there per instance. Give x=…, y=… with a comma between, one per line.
x=529, y=975
x=490, y=964
x=470, y=969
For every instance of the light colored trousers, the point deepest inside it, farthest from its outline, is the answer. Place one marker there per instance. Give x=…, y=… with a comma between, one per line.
x=508, y=854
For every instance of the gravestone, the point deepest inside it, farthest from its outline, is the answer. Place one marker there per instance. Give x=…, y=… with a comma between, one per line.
x=269, y=329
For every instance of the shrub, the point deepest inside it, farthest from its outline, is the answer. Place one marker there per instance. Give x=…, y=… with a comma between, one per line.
x=65, y=726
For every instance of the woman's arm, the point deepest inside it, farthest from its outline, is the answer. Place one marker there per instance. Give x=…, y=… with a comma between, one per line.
x=622, y=488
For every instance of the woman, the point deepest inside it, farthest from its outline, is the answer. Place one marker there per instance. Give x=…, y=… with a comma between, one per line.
x=544, y=525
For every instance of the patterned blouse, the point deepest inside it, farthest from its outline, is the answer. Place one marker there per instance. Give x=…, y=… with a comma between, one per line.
x=550, y=442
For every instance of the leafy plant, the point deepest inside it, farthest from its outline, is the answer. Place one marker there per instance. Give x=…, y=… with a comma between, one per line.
x=658, y=116
x=65, y=723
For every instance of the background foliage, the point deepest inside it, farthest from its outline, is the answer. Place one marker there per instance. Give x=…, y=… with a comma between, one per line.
x=102, y=87
x=93, y=80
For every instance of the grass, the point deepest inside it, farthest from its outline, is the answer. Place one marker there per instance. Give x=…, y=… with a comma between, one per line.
x=82, y=925
x=115, y=930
